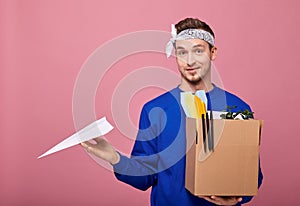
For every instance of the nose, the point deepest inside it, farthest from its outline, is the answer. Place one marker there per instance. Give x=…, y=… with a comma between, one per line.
x=190, y=59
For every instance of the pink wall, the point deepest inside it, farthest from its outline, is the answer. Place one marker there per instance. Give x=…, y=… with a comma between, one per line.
x=44, y=45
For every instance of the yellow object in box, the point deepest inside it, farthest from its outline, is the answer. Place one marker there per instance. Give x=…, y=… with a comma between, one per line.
x=200, y=106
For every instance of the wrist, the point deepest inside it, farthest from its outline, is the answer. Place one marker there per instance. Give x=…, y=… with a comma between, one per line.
x=116, y=159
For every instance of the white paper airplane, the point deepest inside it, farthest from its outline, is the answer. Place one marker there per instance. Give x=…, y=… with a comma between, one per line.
x=95, y=129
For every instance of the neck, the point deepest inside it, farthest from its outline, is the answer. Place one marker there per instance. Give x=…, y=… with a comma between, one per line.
x=201, y=85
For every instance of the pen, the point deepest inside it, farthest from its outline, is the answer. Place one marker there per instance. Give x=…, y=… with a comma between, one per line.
x=196, y=136
x=212, y=130
x=208, y=132
x=203, y=132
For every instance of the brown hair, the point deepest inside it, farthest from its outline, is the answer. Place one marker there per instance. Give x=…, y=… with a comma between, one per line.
x=193, y=23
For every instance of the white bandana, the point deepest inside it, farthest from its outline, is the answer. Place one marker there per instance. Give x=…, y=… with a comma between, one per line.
x=188, y=34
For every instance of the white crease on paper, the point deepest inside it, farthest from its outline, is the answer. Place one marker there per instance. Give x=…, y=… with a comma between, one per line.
x=184, y=104
x=216, y=114
x=95, y=129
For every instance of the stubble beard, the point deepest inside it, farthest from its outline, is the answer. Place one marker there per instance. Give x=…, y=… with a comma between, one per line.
x=196, y=78
x=192, y=80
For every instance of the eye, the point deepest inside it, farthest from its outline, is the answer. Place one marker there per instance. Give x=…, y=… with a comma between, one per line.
x=198, y=51
x=181, y=53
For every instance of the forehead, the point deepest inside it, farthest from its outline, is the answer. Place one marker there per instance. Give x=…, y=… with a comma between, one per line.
x=190, y=43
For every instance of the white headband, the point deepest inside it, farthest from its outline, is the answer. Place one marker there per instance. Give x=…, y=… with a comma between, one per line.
x=188, y=34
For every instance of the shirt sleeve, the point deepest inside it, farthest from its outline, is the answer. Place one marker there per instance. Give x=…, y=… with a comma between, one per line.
x=140, y=170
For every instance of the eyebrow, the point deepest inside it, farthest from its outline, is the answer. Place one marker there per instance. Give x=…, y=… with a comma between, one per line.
x=197, y=45
x=180, y=47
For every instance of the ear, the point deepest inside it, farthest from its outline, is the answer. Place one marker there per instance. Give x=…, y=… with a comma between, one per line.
x=213, y=53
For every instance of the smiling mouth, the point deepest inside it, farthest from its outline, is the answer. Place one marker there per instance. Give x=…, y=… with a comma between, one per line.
x=191, y=69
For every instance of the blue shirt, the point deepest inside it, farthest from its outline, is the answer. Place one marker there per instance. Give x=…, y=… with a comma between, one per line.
x=158, y=156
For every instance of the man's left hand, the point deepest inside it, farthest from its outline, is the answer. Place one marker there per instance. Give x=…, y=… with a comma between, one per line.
x=222, y=200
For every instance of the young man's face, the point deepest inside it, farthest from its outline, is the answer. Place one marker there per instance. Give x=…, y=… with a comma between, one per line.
x=194, y=59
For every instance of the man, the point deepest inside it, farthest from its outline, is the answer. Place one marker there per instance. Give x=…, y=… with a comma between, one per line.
x=158, y=156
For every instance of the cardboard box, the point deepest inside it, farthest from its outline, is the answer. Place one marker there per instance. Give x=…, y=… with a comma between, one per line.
x=231, y=169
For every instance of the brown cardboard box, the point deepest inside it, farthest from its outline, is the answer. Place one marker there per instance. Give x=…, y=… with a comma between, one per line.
x=231, y=169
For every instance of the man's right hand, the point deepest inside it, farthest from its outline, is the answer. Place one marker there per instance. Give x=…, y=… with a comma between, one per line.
x=218, y=200
x=103, y=150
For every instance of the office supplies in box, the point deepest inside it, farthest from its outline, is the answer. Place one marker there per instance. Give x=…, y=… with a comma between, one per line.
x=222, y=155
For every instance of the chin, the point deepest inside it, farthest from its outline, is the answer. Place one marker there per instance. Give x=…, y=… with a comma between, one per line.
x=195, y=77
x=194, y=80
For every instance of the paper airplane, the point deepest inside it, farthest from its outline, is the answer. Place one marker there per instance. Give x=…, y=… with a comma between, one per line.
x=95, y=129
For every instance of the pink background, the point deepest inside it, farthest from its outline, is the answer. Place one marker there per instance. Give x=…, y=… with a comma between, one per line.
x=43, y=45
